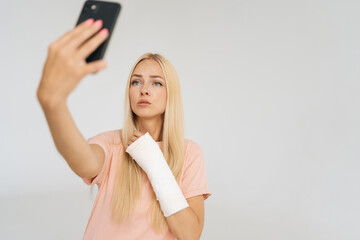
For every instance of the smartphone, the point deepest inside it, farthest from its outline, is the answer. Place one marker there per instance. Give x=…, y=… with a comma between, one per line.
x=108, y=12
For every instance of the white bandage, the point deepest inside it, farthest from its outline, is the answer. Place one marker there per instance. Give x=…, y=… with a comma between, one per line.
x=148, y=155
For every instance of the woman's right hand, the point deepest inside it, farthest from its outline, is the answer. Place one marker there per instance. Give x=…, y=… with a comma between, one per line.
x=65, y=65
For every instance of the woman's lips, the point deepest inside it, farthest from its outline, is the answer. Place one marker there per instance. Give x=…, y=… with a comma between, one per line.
x=143, y=104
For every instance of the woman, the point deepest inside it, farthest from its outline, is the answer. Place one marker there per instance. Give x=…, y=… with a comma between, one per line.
x=154, y=185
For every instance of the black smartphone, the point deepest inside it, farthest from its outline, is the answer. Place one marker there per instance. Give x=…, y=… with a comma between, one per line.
x=108, y=12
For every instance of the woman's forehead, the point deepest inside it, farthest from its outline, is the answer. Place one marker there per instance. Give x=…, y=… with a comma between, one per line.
x=148, y=67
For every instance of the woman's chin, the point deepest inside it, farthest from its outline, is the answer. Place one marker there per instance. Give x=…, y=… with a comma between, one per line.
x=146, y=116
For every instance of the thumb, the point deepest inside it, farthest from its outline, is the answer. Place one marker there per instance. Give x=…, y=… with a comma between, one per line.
x=95, y=66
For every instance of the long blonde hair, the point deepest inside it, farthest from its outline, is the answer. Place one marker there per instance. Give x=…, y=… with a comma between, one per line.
x=129, y=174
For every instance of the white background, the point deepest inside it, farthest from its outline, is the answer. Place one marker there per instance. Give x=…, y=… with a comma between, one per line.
x=270, y=92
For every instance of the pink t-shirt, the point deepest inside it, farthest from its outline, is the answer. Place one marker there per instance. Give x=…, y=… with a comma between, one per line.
x=193, y=182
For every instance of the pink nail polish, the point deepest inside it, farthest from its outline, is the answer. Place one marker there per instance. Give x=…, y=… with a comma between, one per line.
x=98, y=23
x=89, y=21
x=104, y=31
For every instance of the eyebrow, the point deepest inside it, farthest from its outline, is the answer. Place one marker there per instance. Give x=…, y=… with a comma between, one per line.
x=152, y=76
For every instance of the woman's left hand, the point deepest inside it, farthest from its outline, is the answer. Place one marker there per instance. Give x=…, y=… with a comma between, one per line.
x=145, y=151
x=136, y=135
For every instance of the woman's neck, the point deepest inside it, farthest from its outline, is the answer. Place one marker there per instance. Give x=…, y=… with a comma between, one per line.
x=152, y=126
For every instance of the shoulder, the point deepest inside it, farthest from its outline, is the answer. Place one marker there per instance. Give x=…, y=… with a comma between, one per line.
x=112, y=136
x=193, y=152
x=191, y=146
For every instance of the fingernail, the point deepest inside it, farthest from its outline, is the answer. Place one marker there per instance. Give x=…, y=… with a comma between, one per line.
x=89, y=21
x=98, y=23
x=104, y=31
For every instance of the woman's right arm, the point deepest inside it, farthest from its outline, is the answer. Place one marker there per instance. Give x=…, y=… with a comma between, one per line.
x=84, y=159
x=63, y=70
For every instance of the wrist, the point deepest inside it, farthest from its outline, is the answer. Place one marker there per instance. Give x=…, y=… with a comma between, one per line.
x=146, y=152
x=50, y=103
x=148, y=155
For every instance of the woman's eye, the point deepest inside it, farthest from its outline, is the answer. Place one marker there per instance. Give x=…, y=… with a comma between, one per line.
x=132, y=83
x=159, y=83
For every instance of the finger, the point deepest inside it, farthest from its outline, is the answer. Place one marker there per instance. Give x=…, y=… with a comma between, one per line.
x=93, y=67
x=83, y=34
x=137, y=133
x=90, y=46
x=64, y=38
x=134, y=138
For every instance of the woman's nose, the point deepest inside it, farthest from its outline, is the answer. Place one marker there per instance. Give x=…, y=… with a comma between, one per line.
x=144, y=90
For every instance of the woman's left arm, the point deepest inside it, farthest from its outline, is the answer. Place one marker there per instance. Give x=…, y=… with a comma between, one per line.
x=185, y=217
x=189, y=222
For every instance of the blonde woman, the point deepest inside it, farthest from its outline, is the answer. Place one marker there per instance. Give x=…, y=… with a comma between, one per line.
x=152, y=181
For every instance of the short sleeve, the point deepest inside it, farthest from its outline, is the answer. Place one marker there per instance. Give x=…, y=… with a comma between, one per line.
x=103, y=141
x=194, y=181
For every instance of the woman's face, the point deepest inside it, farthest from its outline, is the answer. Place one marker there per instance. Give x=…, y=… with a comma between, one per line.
x=148, y=83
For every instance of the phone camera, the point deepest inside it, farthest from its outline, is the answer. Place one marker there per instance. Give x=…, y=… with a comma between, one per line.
x=92, y=8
